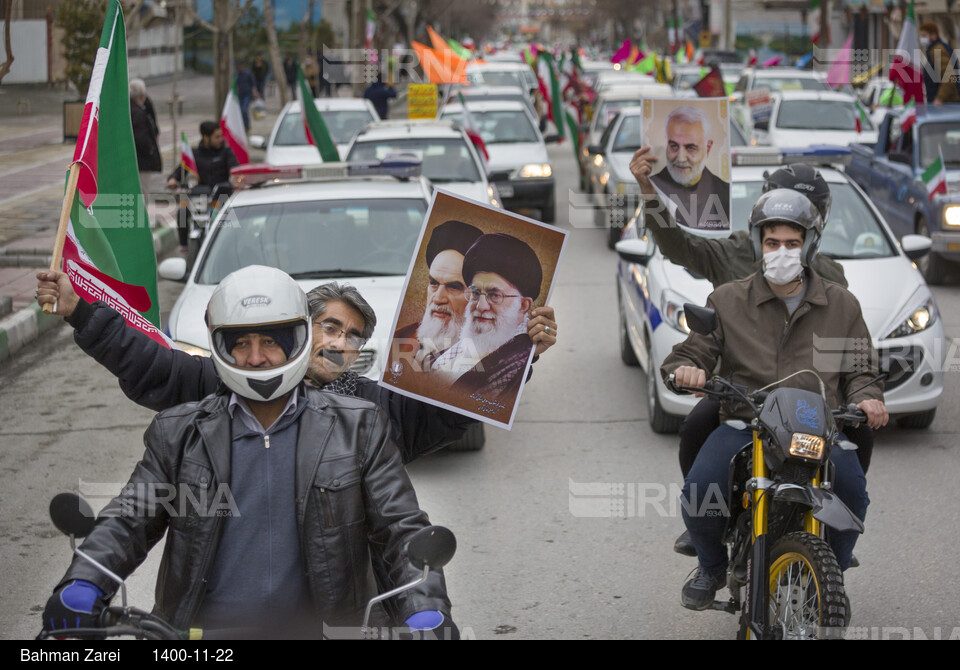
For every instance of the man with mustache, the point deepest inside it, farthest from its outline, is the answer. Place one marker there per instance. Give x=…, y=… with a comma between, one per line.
x=504, y=277
x=701, y=197
x=443, y=315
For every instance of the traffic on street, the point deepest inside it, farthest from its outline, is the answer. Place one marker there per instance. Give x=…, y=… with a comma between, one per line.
x=736, y=380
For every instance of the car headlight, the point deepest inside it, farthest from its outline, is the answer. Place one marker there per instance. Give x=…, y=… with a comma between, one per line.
x=951, y=215
x=806, y=446
x=192, y=349
x=920, y=319
x=535, y=170
x=671, y=310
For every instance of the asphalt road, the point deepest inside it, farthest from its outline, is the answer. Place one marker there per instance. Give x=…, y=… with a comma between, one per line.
x=539, y=555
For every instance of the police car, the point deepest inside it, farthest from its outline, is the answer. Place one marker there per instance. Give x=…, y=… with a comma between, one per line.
x=898, y=307
x=331, y=222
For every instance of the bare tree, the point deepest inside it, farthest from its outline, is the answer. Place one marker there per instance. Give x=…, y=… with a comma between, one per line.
x=226, y=13
x=8, y=63
x=276, y=62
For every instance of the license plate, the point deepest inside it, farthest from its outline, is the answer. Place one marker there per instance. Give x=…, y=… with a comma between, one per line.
x=953, y=246
x=505, y=190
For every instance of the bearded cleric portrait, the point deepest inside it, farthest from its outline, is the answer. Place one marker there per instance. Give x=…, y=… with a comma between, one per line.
x=461, y=338
x=691, y=141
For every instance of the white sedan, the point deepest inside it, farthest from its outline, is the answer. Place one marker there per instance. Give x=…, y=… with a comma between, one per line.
x=287, y=145
x=333, y=227
x=898, y=307
x=807, y=118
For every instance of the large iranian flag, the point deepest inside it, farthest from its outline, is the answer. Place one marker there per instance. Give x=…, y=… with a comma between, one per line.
x=906, y=70
x=313, y=124
x=108, y=251
x=231, y=123
x=473, y=131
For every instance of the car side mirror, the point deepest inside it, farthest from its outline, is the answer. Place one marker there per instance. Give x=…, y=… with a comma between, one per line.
x=900, y=157
x=762, y=125
x=553, y=138
x=915, y=246
x=258, y=141
x=594, y=149
x=635, y=250
x=173, y=269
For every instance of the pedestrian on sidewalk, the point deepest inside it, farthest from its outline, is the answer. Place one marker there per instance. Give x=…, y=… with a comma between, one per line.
x=246, y=91
x=290, y=72
x=260, y=72
x=145, y=133
x=379, y=93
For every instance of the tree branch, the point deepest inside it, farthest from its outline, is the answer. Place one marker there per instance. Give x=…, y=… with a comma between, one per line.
x=8, y=63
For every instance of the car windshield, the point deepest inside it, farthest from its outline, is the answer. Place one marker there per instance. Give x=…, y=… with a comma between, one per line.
x=317, y=239
x=499, y=78
x=687, y=79
x=852, y=230
x=777, y=84
x=443, y=160
x=342, y=125
x=629, y=135
x=503, y=127
x=943, y=137
x=609, y=110
x=819, y=115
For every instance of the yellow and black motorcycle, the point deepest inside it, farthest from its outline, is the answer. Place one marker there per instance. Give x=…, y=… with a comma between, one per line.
x=783, y=577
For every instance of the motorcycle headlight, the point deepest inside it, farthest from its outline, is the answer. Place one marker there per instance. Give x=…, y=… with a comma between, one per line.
x=803, y=445
x=193, y=350
x=671, y=310
x=951, y=216
x=920, y=319
x=535, y=170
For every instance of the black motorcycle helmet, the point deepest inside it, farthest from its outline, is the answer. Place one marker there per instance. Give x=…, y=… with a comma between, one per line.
x=803, y=179
x=791, y=207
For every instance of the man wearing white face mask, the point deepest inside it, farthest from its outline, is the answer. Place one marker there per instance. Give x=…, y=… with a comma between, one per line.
x=770, y=326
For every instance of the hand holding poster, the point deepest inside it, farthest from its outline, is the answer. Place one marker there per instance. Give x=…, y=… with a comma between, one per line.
x=460, y=335
x=691, y=139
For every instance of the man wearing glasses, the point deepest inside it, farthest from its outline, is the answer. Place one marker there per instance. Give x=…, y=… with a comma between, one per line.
x=503, y=277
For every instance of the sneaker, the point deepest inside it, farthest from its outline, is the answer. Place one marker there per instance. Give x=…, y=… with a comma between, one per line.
x=701, y=589
x=684, y=545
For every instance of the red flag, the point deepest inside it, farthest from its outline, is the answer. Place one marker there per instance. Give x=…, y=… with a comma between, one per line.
x=711, y=86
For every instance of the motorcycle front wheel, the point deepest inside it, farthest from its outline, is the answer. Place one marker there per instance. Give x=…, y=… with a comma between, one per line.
x=807, y=598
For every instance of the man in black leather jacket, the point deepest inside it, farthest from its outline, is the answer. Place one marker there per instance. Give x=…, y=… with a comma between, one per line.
x=287, y=508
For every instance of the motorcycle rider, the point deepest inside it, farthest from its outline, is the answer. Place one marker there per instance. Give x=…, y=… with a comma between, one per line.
x=767, y=326
x=721, y=260
x=214, y=159
x=251, y=543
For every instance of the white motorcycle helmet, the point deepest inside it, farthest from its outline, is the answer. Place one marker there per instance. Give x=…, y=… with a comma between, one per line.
x=260, y=299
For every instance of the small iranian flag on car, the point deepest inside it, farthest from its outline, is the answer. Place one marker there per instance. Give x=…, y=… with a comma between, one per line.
x=935, y=177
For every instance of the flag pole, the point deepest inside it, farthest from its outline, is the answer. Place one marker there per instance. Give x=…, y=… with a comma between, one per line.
x=61, y=238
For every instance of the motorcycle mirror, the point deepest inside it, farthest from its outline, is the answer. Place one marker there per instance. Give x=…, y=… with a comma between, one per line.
x=71, y=514
x=701, y=320
x=433, y=546
x=895, y=367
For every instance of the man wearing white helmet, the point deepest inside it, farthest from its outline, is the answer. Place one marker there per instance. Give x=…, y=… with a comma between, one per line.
x=318, y=506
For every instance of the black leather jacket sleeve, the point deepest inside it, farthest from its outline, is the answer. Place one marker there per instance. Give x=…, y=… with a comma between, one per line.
x=149, y=374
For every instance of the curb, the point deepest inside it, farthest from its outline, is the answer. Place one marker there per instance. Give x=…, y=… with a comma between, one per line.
x=27, y=324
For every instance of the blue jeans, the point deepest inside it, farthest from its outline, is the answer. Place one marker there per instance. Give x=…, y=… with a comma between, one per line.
x=705, y=495
x=245, y=109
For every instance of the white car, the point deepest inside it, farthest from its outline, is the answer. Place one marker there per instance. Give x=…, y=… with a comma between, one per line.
x=448, y=157
x=519, y=165
x=503, y=73
x=776, y=79
x=361, y=230
x=898, y=307
x=287, y=145
x=807, y=118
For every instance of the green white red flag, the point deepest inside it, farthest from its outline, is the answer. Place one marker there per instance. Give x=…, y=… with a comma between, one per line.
x=370, y=28
x=313, y=125
x=862, y=116
x=187, y=160
x=473, y=131
x=108, y=251
x=231, y=123
x=905, y=71
x=935, y=177
x=908, y=117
